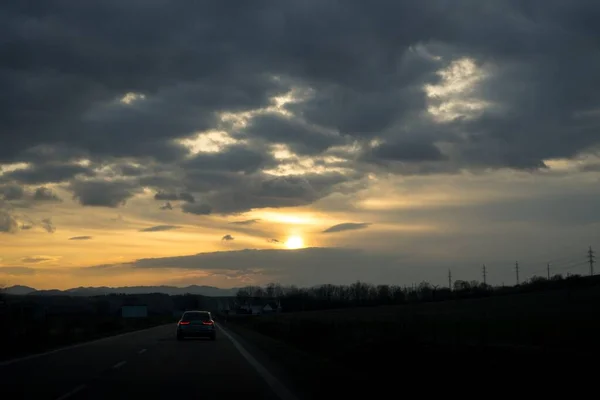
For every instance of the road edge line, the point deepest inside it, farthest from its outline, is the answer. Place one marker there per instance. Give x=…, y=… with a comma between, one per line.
x=82, y=344
x=277, y=387
x=72, y=392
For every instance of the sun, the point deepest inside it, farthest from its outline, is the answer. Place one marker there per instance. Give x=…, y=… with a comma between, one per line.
x=294, y=242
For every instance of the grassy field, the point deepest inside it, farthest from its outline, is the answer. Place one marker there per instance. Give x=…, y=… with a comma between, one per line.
x=534, y=328
x=19, y=339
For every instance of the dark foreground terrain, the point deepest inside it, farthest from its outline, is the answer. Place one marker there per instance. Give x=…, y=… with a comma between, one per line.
x=532, y=344
x=540, y=342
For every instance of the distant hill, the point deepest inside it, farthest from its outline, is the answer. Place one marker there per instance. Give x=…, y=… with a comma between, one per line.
x=99, y=291
x=19, y=290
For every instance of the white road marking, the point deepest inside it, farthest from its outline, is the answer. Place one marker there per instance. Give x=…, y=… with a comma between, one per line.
x=142, y=351
x=72, y=392
x=281, y=391
x=32, y=356
x=119, y=364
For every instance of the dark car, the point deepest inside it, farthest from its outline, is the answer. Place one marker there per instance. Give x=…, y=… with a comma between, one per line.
x=196, y=324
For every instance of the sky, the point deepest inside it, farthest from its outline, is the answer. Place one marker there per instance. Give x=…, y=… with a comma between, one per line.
x=235, y=143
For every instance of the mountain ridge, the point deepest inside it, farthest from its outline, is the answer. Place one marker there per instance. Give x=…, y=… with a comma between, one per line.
x=202, y=290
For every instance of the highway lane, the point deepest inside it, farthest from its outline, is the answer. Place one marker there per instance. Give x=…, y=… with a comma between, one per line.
x=148, y=364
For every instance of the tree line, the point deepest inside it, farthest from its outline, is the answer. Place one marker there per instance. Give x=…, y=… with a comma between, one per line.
x=361, y=294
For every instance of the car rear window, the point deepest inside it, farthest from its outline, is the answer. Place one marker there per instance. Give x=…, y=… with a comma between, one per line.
x=196, y=316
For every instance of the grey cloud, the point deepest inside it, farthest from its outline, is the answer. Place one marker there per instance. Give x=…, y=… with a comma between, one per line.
x=347, y=226
x=246, y=222
x=35, y=259
x=174, y=196
x=198, y=209
x=131, y=170
x=407, y=152
x=365, y=81
x=338, y=265
x=300, y=137
x=102, y=193
x=167, y=206
x=233, y=159
x=80, y=238
x=252, y=259
x=45, y=194
x=227, y=238
x=186, y=197
x=273, y=241
x=50, y=173
x=47, y=225
x=259, y=191
x=8, y=224
x=160, y=228
x=166, y=196
x=197, y=180
x=12, y=192
x=44, y=154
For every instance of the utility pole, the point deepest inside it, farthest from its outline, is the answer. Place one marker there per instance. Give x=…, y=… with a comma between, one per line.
x=449, y=279
x=548, y=270
x=484, y=275
x=592, y=260
x=517, y=271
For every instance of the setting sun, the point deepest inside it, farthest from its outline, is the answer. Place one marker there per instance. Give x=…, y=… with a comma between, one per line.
x=294, y=242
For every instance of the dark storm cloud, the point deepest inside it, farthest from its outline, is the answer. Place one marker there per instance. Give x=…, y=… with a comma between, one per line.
x=347, y=226
x=160, y=228
x=80, y=238
x=45, y=194
x=77, y=86
x=227, y=238
x=102, y=193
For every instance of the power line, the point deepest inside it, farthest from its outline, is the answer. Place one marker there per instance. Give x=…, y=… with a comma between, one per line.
x=556, y=266
x=591, y=260
x=484, y=275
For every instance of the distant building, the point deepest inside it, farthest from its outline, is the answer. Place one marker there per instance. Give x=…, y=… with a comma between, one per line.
x=140, y=311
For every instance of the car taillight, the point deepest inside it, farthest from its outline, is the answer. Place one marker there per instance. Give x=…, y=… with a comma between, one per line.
x=207, y=323
x=184, y=322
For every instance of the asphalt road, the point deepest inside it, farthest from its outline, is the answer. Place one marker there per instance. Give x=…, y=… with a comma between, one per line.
x=148, y=364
